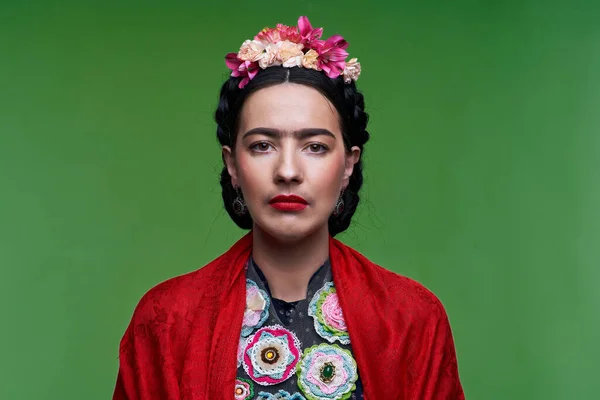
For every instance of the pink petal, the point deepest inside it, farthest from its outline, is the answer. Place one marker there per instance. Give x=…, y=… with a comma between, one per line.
x=334, y=41
x=243, y=82
x=252, y=69
x=325, y=68
x=304, y=26
x=232, y=62
x=317, y=33
x=337, y=54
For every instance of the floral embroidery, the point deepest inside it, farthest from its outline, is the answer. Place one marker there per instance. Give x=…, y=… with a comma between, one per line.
x=281, y=395
x=244, y=389
x=327, y=372
x=257, y=308
x=327, y=314
x=271, y=355
x=240, y=352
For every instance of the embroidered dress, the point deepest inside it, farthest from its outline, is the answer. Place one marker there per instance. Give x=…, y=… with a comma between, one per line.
x=301, y=350
x=182, y=340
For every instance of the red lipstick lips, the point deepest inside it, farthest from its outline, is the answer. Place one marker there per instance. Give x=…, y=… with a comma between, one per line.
x=289, y=202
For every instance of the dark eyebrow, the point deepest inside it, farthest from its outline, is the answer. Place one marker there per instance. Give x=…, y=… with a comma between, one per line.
x=278, y=134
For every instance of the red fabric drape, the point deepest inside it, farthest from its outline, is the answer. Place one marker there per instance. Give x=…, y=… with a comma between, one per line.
x=183, y=337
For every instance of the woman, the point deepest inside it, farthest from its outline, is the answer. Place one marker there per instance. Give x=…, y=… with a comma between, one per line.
x=289, y=312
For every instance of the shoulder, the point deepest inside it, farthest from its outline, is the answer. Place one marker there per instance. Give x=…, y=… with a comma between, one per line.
x=395, y=294
x=173, y=299
x=406, y=296
x=404, y=286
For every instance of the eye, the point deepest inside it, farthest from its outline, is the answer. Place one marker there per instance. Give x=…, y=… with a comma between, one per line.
x=260, y=147
x=317, y=148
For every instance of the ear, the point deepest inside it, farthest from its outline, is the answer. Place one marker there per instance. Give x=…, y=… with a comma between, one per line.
x=352, y=158
x=229, y=161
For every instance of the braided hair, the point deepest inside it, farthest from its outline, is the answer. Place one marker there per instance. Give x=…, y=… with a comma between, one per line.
x=347, y=100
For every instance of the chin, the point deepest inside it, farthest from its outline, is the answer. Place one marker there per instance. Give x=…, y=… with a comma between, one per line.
x=286, y=232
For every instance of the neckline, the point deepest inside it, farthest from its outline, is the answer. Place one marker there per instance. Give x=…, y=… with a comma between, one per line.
x=264, y=281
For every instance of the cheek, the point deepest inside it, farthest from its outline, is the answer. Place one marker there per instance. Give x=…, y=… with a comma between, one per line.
x=328, y=176
x=251, y=172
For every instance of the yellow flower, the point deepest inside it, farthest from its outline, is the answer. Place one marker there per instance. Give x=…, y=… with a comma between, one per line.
x=310, y=59
x=290, y=54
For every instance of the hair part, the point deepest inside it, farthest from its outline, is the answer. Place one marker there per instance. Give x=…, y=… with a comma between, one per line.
x=346, y=99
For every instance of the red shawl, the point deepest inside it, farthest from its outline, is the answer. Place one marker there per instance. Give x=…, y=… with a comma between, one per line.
x=183, y=337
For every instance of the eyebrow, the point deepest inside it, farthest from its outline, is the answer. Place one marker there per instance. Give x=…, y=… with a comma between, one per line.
x=278, y=134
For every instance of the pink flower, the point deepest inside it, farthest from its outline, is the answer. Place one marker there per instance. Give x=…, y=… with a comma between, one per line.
x=239, y=68
x=332, y=55
x=332, y=312
x=289, y=33
x=308, y=34
x=318, y=362
x=282, y=32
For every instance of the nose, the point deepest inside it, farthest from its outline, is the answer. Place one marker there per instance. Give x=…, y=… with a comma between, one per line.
x=288, y=168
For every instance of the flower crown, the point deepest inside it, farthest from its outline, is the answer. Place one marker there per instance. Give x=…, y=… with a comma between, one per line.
x=292, y=46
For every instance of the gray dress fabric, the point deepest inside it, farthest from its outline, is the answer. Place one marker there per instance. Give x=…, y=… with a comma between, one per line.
x=294, y=317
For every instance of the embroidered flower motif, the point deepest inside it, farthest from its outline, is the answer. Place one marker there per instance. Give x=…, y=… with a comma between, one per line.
x=257, y=308
x=240, y=352
x=327, y=314
x=281, y=395
x=327, y=372
x=271, y=355
x=244, y=389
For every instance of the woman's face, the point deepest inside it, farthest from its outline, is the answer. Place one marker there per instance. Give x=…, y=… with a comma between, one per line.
x=289, y=142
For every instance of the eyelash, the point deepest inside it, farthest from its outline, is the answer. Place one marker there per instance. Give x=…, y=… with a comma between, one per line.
x=322, y=147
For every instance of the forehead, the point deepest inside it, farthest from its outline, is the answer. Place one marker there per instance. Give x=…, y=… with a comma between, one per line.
x=289, y=106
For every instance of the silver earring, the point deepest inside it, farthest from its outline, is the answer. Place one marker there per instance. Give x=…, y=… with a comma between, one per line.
x=239, y=204
x=339, y=205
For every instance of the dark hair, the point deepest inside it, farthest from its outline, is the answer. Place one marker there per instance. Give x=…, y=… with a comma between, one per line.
x=349, y=103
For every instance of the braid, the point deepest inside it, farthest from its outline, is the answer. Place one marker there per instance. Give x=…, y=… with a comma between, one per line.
x=225, y=116
x=356, y=135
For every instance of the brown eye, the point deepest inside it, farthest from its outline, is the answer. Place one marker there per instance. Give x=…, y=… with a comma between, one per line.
x=317, y=148
x=260, y=147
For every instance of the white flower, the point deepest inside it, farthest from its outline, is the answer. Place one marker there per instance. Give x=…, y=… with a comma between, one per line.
x=251, y=50
x=352, y=70
x=269, y=56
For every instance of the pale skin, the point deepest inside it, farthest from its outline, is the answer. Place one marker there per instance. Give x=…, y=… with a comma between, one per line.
x=289, y=141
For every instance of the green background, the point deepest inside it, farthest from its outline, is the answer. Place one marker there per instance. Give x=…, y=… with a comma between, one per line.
x=481, y=175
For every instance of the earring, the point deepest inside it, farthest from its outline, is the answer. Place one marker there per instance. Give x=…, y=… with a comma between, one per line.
x=339, y=205
x=239, y=204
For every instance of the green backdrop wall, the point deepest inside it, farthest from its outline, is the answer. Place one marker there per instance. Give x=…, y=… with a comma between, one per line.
x=481, y=175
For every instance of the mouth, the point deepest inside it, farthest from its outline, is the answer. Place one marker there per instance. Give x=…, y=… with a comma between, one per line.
x=290, y=202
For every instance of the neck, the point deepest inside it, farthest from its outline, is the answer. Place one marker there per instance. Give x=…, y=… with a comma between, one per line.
x=288, y=266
